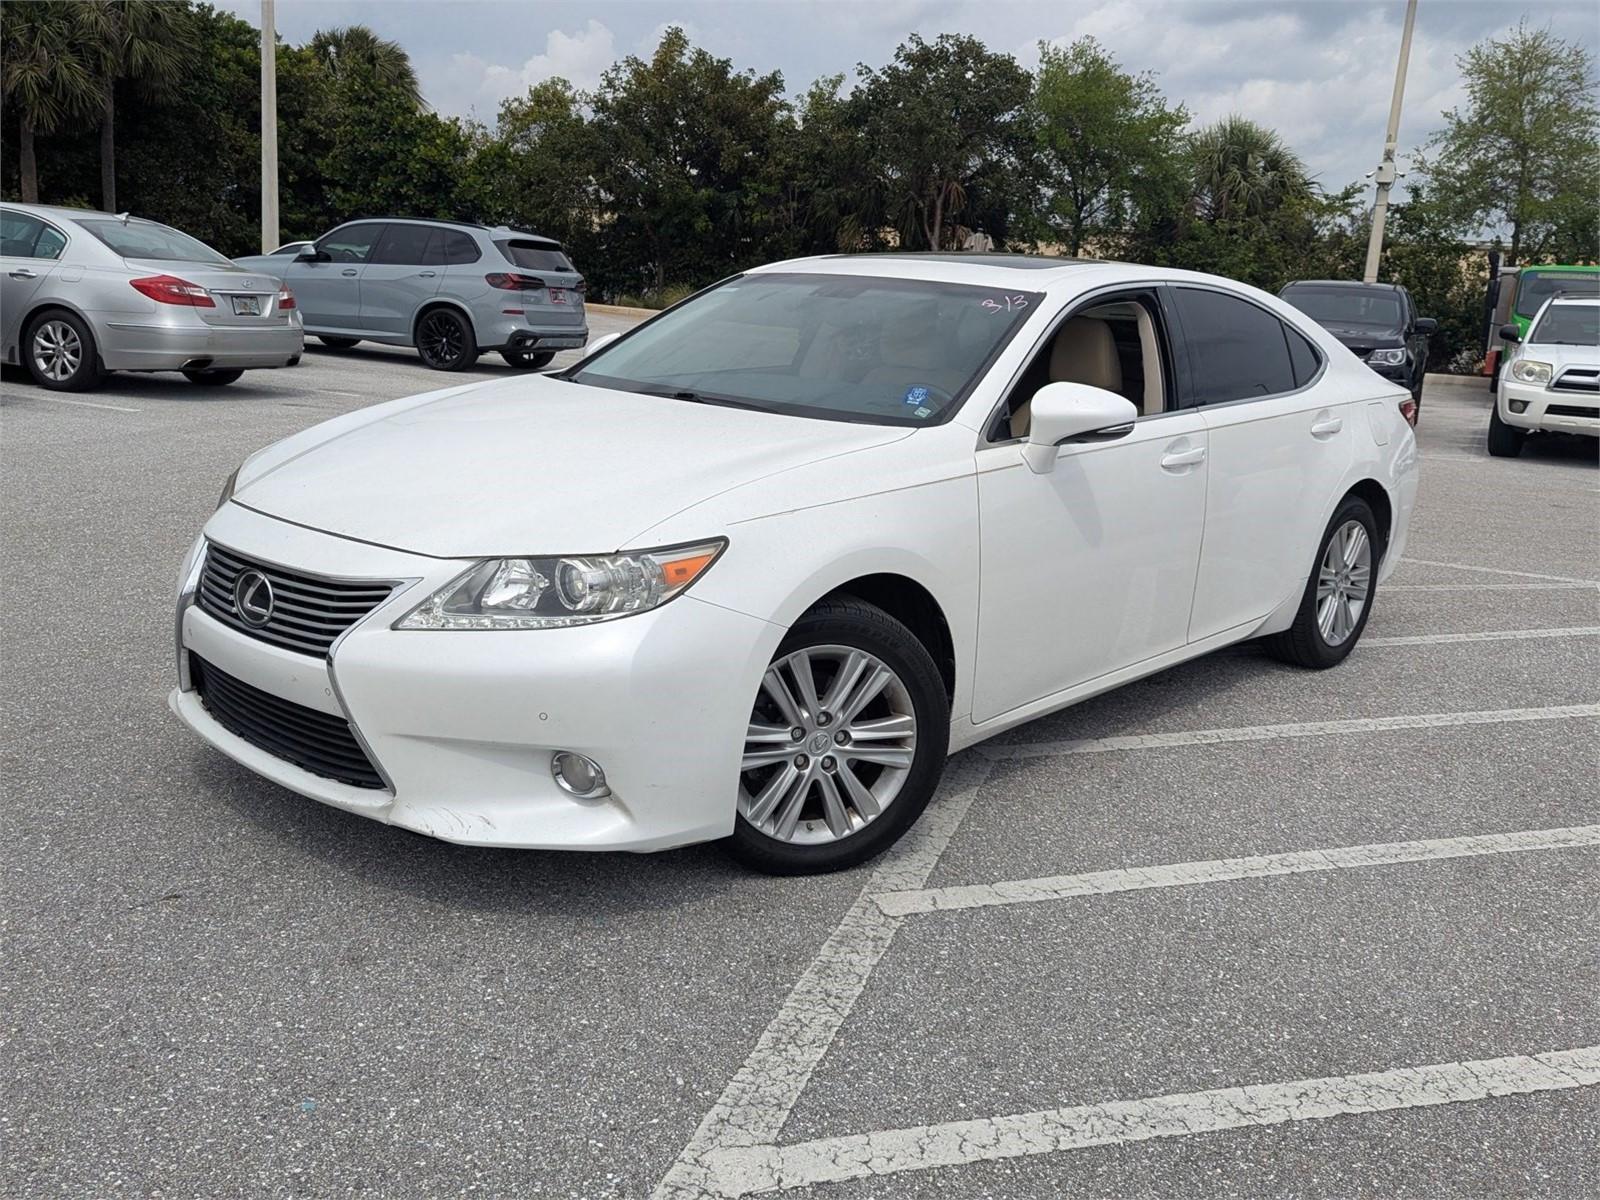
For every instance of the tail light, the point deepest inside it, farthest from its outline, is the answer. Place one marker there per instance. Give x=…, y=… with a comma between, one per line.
x=1408, y=410
x=512, y=282
x=581, y=286
x=285, y=298
x=169, y=289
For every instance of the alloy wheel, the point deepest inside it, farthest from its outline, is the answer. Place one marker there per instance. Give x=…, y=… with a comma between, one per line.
x=440, y=339
x=831, y=740
x=57, y=350
x=1344, y=582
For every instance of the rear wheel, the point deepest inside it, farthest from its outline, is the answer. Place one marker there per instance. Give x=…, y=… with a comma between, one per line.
x=445, y=340
x=1505, y=441
x=338, y=343
x=60, y=352
x=1338, y=597
x=530, y=360
x=846, y=742
x=212, y=377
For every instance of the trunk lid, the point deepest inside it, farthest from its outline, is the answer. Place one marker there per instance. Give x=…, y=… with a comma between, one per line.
x=240, y=297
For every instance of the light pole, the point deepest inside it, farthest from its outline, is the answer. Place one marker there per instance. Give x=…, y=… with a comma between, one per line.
x=269, y=129
x=1385, y=173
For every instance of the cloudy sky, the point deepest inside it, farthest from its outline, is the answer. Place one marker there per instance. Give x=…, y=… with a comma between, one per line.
x=1319, y=71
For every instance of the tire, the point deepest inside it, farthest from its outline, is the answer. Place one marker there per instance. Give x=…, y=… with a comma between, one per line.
x=1505, y=441
x=338, y=343
x=840, y=635
x=1309, y=642
x=445, y=340
x=212, y=376
x=528, y=360
x=60, y=352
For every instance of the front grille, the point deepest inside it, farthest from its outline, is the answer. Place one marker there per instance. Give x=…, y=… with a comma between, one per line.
x=314, y=741
x=1579, y=380
x=308, y=612
x=1571, y=410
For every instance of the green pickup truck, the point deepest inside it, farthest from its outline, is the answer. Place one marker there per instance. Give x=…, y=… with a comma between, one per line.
x=1515, y=295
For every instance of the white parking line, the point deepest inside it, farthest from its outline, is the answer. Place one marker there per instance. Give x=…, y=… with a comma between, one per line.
x=1300, y=729
x=1223, y=870
x=1426, y=562
x=81, y=403
x=1490, y=635
x=956, y=1143
x=1490, y=587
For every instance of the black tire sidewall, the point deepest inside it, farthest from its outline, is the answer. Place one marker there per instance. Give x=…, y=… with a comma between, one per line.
x=528, y=360
x=469, y=343
x=854, y=623
x=89, y=371
x=338, y=343
x=214, y=377
x=1352, y=508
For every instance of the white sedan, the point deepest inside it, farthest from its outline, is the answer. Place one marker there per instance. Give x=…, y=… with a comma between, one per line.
x=753, y=570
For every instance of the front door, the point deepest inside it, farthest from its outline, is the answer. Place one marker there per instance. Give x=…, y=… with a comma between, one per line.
x=328, y=290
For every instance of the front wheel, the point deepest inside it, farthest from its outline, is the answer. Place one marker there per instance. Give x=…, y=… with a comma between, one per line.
x=1505, y=441
x=445, y=340
x=212, y=377
x=1338, y=597
x=846, y=742
x=528, y=360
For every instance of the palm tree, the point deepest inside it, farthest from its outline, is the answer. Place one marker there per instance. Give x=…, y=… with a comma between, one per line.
x=49, y=69
x=143, y=41
x=1243, y=169
x=342, y=50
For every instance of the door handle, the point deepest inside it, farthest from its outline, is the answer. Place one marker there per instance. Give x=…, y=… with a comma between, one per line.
x=1177, y=459
x=426, y=274
x=1326, y=427
x=348, y=271
x=23, y=273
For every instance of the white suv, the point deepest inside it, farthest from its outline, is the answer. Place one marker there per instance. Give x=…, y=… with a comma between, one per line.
x=1551, y=382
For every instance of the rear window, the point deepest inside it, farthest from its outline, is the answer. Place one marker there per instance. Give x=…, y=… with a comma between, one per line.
x=1535, y=287
x=535, y=256
x=146, y=239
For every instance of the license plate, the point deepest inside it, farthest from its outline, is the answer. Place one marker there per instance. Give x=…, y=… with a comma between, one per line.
x=247, y=306
x=558, y=295
x=560, y=343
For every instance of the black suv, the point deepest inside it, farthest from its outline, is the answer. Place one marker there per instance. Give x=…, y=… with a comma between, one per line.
x=1376, y=321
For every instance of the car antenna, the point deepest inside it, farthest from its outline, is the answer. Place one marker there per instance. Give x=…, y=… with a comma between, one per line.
x=124, y=217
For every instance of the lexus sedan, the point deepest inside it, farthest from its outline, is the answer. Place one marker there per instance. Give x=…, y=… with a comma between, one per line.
x=83, y=293
x=752, y=570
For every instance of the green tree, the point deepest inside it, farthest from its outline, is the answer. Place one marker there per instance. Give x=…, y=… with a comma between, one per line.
x=1107, y=141
x=829, y=198
x=1242, y=169
x=1525, y=153
x=48, y=70
x=146, y=42
x=946, y=122
x=537, y=172
x=355, y=52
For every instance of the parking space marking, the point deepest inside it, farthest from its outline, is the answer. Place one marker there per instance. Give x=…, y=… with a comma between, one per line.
x=80, y=403
x=1298, y=729
x=1224, y=870
x=742, y=1171
x=1426, y=562
x=1487, y=635
x=1490, y=587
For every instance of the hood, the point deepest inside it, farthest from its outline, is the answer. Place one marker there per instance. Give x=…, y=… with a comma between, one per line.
x=535, y=465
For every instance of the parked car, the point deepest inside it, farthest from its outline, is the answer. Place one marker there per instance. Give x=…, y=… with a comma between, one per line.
x=752, y=569
x=273, y=263
x=451, y=289
x=1550, y=381
x=1516, y=295
x=1377, y=322
x=83, y=293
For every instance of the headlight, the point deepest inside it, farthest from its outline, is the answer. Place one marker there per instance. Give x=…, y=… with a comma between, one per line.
x=1526, y=370
x=549, y=593
x=1387, y=358
x=227, y=488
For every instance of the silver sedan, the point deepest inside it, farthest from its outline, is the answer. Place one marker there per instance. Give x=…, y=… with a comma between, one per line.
x=83, y=293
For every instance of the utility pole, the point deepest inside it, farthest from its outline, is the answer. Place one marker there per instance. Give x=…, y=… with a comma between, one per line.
x=1385, y=173
x=269, y=129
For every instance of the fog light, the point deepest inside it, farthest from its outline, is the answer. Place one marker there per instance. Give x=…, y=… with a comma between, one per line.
x=1519, y=406
x=580, y=776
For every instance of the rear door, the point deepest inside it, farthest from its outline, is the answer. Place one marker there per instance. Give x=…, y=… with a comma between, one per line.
x=29, y=250
x=1281, y=440
x=399, y=276
x=329, y=292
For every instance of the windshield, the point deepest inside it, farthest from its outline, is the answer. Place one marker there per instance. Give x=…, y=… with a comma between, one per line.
x=842, y=347
x=1535, y=287
x=1347, y=306
x=146, y=239
x=1568, y=325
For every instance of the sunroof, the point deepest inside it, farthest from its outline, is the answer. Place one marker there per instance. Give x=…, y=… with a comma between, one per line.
x=1017, y=262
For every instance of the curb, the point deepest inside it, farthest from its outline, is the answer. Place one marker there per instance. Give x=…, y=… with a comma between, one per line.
x=618, y=310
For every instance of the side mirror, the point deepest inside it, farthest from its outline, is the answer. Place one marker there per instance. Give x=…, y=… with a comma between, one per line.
x=312, y=254
x=1427, y=325
x=1509, y=332
x=600, y=343
x=1066, y=412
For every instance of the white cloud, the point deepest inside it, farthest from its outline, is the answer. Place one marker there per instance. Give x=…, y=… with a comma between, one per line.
x=472, y=84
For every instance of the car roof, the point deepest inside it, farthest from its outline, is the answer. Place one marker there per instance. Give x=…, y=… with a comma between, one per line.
x=999, y=271
x=1339, y=283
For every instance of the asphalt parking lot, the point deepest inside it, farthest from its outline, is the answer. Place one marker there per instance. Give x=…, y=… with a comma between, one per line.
x=1235, y=930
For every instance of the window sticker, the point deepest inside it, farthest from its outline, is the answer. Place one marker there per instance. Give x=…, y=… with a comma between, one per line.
x=1006, y=304
x=922, y=412
x=916, y=394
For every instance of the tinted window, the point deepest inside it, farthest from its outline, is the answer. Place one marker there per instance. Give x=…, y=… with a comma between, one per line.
x=351, y=244
x=536, y=256
x=1303, y=357
x=19, y=234
x=403, y=245
x=1535, y=287
x=146, y=239
x=50, y=244
x=459, y=247
x=1236, y=350
x=1379, y=307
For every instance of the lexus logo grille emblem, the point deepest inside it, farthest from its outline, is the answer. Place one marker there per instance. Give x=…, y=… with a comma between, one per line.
x=252, y=598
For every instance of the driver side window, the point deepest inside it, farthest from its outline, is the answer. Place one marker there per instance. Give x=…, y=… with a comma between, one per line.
x=1116, y=342
x=351, y=244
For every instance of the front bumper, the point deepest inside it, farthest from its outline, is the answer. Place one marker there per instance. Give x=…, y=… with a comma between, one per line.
x=463, y=725
x=142, y=344
x=1547, y=409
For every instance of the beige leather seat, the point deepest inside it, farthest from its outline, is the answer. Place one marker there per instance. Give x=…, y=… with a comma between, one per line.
x=1083, y=352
